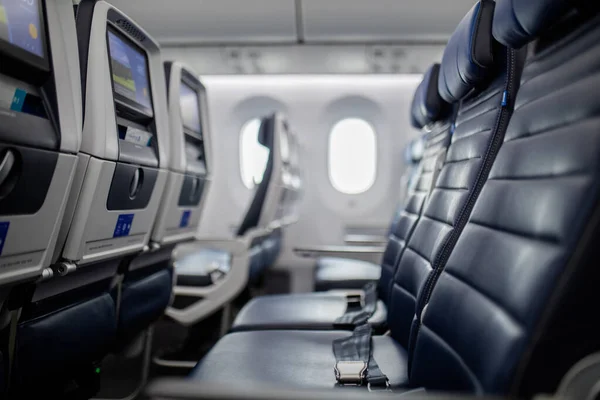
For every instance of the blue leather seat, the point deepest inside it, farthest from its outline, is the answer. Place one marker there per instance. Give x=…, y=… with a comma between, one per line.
x=477, y=80
x=509, y=311
x=297, y=311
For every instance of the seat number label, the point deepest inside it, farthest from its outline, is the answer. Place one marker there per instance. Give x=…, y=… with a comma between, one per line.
x=123, y=227
x=185, y=219
x=3, y=234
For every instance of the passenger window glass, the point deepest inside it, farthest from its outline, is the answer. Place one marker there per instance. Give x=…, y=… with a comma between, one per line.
x=352, y=156
x=253, y=155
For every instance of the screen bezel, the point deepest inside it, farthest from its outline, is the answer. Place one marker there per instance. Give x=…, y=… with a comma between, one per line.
x=195, y=89
x=22, y=56
x=119, y=98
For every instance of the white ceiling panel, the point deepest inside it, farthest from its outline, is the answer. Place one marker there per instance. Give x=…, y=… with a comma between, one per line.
x=382, y=20
x=214, y=21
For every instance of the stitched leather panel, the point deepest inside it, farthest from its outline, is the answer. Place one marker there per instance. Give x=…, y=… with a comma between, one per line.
x=474, y=131
x=512, y=257
x=436, y=141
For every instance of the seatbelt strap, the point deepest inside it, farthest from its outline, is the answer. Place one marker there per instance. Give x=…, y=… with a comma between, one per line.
x=361, y=316
x=355, y=363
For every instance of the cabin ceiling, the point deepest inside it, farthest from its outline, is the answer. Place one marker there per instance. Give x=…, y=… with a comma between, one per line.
x=214, y=22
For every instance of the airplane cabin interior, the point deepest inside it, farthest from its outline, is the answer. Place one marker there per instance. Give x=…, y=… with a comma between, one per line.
x=300, y=199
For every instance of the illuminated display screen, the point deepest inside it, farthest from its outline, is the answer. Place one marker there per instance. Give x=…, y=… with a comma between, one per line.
x=20, y=25
x=129, y=71
x=190, y=108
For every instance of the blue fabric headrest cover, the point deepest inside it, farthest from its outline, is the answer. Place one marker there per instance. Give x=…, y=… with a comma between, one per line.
x=427, y=105
x=469, y=57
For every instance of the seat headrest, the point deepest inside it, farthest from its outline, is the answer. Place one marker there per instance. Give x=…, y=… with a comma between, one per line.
x=427, y=105
x=414, y=151
x=516, y=23
x=469, y=56
x=265, y=133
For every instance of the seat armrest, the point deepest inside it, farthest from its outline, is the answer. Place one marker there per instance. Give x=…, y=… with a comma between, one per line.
x=337, y=251
x=367, y=240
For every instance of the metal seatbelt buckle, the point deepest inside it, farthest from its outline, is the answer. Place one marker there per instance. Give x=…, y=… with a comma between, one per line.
x=350, y=372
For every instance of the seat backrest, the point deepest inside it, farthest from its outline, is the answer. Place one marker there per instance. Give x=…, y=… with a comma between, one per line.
x=266, y=138
x=412, y=158
x=514, y=307
x=429, y=112
x=475, y=80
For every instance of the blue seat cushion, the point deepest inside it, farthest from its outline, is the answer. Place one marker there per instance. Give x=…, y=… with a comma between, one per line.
x=290, y=359
x=313, y=311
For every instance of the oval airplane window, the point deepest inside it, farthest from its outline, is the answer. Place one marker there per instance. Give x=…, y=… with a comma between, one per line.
x=352, y=156
x=253, y=155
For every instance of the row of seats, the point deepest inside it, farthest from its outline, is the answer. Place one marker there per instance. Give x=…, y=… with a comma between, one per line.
x=105, y=160
x=333, y=273
x=488, y=278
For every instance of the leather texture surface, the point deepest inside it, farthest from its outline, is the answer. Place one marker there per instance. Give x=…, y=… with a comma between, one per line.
x=142, y=302
x=468, y=58
x=511, y=311
x=344, y=273
x=427, y=105
x=516, y=23
x=290, y=359
x=475, y=131
x=436, y=142
x=312, y=311
x=57, y=345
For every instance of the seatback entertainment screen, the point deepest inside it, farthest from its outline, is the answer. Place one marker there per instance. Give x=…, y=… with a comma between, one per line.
x=190, y=108
x=21, y=26
x=129, y=65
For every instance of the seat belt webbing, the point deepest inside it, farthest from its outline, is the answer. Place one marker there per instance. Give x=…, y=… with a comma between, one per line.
x=355, y=363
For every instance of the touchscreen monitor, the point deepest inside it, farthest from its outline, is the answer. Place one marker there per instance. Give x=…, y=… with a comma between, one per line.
x=190, y=108
x=129, y=66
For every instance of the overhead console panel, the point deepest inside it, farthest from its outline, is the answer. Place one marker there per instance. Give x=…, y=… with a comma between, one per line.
x=125, y=147
x=188, y=173
x=40, y=130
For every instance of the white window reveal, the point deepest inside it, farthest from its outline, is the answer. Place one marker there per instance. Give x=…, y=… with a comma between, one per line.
x=253, y=155
x=352, y=156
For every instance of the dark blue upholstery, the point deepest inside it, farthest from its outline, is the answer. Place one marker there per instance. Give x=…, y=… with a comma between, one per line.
x=513, y=309
x=252, y=216
x=256, y=266
x=476, y=137
x=516, y=22
x=468, y=57
x=61, y=344
x=515, y=303
x=427, y=105
x=294, y=359
x=436, y=143
x=143, y=301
